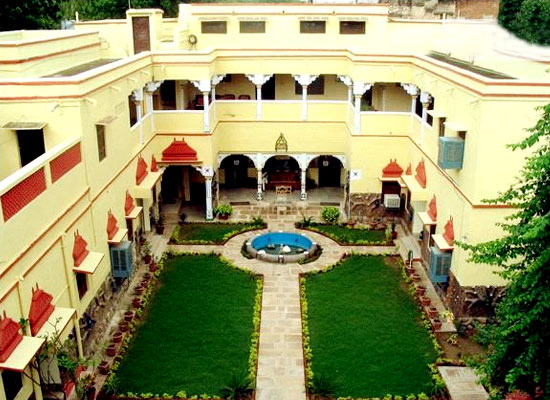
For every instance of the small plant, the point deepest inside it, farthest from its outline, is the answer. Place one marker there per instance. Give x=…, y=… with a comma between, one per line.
x=305, y=222
x=258, y=221
x=453, y=339
x=321, y=386
x=517, y=395
x=388, y=233
x=223, y=210
x=238, y=387
x=330, y=215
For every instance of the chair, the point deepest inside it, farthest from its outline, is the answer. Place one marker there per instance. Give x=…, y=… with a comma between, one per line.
x=244, y=97
x=228, y=97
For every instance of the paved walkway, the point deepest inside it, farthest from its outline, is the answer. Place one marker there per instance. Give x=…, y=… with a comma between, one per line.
x=280, y=356
x=462, y=383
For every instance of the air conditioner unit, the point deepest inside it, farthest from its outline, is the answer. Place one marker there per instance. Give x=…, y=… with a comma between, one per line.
x=451, y=152
x=122, y=260
x=392, y=201
x=440, y=264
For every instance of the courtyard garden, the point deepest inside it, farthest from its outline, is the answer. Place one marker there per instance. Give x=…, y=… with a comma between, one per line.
x=198, y=332
x=212, y=232
x=363, y=332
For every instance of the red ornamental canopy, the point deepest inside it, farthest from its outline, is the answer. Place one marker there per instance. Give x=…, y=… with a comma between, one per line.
x=421, y=174
x=10, y=337
x=432, y=209
x=409, y=170
x=449, y=232
x=179, y=152
x=128, y=204
x=154, y=167
x=79, y=249
x=41, y=309
x=112, y=225
x=392, y=170
x=141, y=170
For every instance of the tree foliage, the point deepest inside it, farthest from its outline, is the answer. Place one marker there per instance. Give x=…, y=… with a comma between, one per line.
x=519, y=356
x=527, y=19
x=28, y=14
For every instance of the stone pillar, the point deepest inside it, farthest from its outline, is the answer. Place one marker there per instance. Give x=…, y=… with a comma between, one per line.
x=204, y=87
x=208, y=174
x=413, y=91
x=137, y=97
x=359, y=89
x=303, y=194
x=260, y=194
x=258, y=80
x=425, y=99
x=305, y=81
x=151, y=87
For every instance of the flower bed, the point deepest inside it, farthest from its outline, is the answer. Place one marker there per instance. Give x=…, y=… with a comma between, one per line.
x=196, y=334
x=359, y=320
x=349, y=236
x=211, y=232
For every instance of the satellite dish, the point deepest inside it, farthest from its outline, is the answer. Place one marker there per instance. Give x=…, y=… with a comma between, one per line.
x=192, y=39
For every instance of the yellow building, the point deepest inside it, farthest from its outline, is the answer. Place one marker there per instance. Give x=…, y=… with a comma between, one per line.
x=245, y=99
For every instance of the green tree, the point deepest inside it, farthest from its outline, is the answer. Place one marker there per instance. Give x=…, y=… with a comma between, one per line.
x=508, y=13
x=519, y=354
x=533, y=22
x=28, y=14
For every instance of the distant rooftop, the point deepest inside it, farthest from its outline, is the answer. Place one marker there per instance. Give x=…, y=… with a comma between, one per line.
x=486, y=72
x=82, y=68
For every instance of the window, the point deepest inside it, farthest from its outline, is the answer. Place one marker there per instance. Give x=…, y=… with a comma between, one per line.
x=133, y=113
x=31, y=145
x=418, y=110
x=252, y=26
x=316, y=87
x=100, y=133
x=442, y=126
x=12, y=383
x=81, y=284
x=214, y=27
x=352, y=27
x=312, y=26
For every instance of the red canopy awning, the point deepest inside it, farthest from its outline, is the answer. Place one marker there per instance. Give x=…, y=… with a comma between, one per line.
x=179, y=152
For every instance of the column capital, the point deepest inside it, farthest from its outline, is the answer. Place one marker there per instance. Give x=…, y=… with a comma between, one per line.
x=137, y=95
x=411, y=89
x=346, y=80
x=425, y=98
x=206, y=171
x=305, y=80
x=152, y=86
x=203, y=85
x=258, y=79
x=217, y=79
x=359, y=88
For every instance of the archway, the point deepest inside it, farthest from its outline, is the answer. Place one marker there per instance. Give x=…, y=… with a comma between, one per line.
x=238, y=171
x=325, y=171
x=282, y=171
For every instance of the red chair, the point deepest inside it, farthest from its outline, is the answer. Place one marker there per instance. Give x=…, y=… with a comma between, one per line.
x=228, y=97
x=244, y=97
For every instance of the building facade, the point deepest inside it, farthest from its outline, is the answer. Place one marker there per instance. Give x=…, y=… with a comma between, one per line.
x=101, y=124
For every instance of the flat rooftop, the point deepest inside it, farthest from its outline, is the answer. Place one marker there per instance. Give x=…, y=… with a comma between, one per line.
x=82, y=68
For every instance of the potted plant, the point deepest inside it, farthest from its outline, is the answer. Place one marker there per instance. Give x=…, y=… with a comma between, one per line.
x=136, y=303
x=436, y=323
x=432, y=312
x=425, y=301
x=117, y=337
x=415, y=277
x=146, y=253
x=159, y=226
x=111, y=350
x=223, y=211
x=139, y=290
x=128, y=316
x=409, y=269
x=153, y=267
x=123, y=326
x=421, y=289
x=103, y=367
x=85, y=387
x=393, y=231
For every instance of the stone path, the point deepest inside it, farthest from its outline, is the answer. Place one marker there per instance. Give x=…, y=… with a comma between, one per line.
x=462, y=383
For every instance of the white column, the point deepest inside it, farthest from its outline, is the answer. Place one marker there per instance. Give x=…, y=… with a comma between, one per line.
x=303, y=194
x=425, y=99
x=359, y=88
x=305, y=81
x=209, y=210
x=258, y=80
x=215, y=80
x=260, y=194
x=204, y=87
x=137, y=97
x=413, y=91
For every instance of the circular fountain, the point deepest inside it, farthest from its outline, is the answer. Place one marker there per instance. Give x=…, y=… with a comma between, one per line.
x=281, y=247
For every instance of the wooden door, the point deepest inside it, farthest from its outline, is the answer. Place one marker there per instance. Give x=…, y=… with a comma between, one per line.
x=142, y=38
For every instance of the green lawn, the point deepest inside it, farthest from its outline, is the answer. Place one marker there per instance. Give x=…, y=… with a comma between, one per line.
x=345, y=235
x=366, y=331
x=197, y=332
x=209, y=233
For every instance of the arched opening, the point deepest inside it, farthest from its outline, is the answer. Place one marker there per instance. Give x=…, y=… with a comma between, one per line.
x=326, y=171
x=282, y=172
x=237, y=171
x=182, y=191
